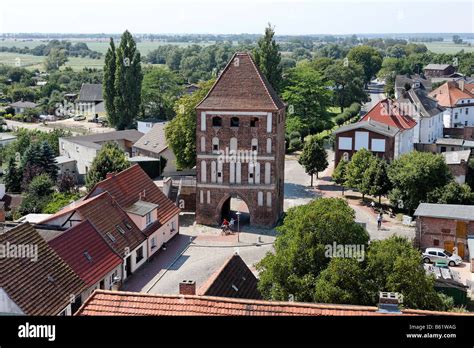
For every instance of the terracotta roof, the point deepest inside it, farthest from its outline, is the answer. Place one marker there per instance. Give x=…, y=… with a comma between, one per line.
x=241, y=86
x=41, y=287
x=119, y=303
x=433, y=66
x=132, y=185
x=233, y=279
x=387, y=112
x=105, y=214
x=155, y=140
x=86, y=252
x=449, y=93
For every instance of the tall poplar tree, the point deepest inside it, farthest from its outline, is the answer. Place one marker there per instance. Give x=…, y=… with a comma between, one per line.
x=109, y=82
x=128, y=82
x=268, y=58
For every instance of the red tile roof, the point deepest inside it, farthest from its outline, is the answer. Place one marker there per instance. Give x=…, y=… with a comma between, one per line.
x=83, y=241
x=41, y=287
x=241, y=86
x=388, y=112
x=133, y=184
x=118, y=303
x=449, y=93
x=104, y=213
x=233, y=279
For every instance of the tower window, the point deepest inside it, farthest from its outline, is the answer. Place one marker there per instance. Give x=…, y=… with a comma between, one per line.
x=234, y=122
x=216, y=121
x=254, y=122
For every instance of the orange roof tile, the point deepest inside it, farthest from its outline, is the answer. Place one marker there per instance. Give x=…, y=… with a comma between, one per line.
x=388, y=112
x=133, y=184
x=119, y=303
x=39, y=287
x=449, y=93
x=241, y=86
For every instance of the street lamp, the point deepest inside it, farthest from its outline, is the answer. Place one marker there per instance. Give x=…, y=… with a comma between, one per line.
x=238, y=226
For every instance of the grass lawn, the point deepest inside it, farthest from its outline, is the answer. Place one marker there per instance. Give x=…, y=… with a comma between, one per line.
x=447, y=47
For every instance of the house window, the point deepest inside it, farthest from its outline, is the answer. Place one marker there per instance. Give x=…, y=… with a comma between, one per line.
x=127, y=225
x=153, y=243
x=446, y=230
x=139, y=255
x=456, y=116
x=216, y=121
x=234, y=122
x=173, y=227
x=148, y=218
x=254, y=122
x=467, y=111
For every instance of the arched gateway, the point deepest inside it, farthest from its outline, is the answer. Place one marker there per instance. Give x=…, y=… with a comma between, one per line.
x=240, y=144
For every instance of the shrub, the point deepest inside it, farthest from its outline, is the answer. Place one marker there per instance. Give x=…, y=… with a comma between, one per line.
x=295, y=144
x=295, y=135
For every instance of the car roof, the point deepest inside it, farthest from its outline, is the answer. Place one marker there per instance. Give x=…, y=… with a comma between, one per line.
x=434, y=249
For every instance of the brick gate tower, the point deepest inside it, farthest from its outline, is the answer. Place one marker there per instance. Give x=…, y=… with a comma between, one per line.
x=240, y=146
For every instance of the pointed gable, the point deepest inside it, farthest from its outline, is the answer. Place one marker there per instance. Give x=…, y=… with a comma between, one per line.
x=388, y=112
x=241, y=86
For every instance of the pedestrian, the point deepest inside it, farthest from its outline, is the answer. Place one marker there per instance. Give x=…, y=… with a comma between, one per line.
x=379, y=221
x=372, y=204
x=231, y=223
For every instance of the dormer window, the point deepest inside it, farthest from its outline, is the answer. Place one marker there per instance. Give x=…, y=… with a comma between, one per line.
x=148, y=218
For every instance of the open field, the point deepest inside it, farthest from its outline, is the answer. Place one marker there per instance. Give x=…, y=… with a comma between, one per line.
x=447, y=47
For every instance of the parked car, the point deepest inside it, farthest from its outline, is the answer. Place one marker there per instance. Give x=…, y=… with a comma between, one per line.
x=79, y=118
x=433, y=255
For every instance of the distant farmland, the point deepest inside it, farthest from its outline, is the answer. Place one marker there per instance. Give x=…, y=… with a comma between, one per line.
x=36, y=62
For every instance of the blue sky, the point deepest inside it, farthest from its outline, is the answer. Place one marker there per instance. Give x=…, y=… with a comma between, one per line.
x=237, y=16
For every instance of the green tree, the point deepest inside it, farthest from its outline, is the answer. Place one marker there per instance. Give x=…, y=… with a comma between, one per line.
x=267, y=57
x=109, y=83
x=343, y=281
x=48, y=160
x=356, y=171
x=377, y=178
x=300, y=248
x=414, y=175
x=339, y=174
x=308, y=96
x=13, y=177
x=369, y=58
x=110, y=159
x=56, y=58
x=38, y=194
x=180, y=132
x=314, y=157
x=452, y=193
x=395, y=265
x=348, y=81
x=128, y=83
x=58, y=200
x=160, y=90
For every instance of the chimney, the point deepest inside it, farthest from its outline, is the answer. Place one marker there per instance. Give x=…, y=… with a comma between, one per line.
x=389, y=302
x=187, y=287
x=461, y=84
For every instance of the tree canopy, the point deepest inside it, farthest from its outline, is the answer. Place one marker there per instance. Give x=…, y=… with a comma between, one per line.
x=314, y=157
x=110, y=159
x=268, y=58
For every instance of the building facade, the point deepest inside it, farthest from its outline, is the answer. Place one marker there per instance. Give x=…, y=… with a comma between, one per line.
x=240, y=145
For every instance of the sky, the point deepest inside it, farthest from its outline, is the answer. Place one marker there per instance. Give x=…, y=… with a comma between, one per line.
x=290, y=17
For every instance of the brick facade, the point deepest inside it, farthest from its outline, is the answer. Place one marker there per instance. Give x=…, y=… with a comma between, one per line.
x=241, y=93
x=435, y=232
x=389, y=145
